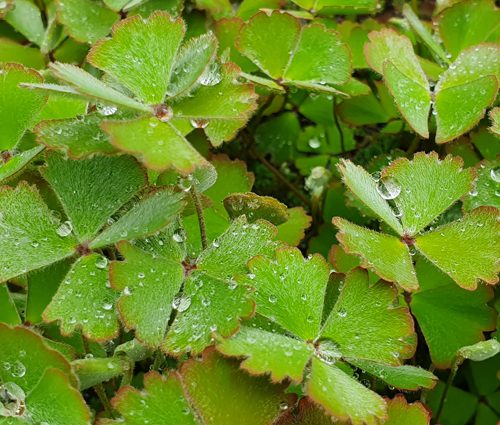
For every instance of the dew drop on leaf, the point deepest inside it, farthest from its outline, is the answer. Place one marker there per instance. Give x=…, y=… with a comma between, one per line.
x=101, y=262
x=181, y=303
x=388, y=188
x=65, y=229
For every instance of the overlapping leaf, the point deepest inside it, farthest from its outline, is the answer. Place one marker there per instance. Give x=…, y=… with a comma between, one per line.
x=407, y=198
x=366, y=323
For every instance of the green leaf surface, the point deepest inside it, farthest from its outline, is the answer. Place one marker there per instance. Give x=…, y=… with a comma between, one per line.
x=221, y=105
x=160, y=146
x=270, y=353
x=208, y=306
x=29, y=227
x=79, y=186
x=392, y=56
x=256, y=207
x=480, y=351
x=342, y=396
x=191, y=64
x=141, y=53
x=402, y=377
x=384, y=254
x=19, y=107
x=148, y=286
x=364, y=187
x=293, y=230
x=228, y=255
x=237, y=397
x=465, y=90
x=468, y=23
x=486, y=189
x=420, y=199
x=474, y=237
x=290, y=290
x=10, y=51
x=8, y=311
x=78, y=137
x=18, y=162
x=151, y=214
x=450, y=317
x=26, y=18
x=368, y=323
x=84, y=20
x=399, y=411
x=88, y=85
x=85, y=301
x=495, y=121
x=295, y=48
x=161, y=401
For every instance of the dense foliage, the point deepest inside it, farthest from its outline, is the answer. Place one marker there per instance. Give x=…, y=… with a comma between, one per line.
x=335, y=262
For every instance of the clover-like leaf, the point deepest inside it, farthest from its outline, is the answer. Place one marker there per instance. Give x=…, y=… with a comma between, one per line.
x=450, y=317
x=465, y=90
x=77, y=137
x=416, y=203
x=151, y=214
x=381, y=331
x=293, y=230
x=475, y=238
x=158, y=145
x=368, y=323
x=306, y=413
x=349, y=7
x=15, y=164
x=27, y=225
x=399, y=411
x=8, y=311
x=281, y=47
x=148, y=285
x=84, y=20
x=19, y=108
x=37, y=382
x=392, y=56
x=95, y=202
x=468, y=23
x=208, y=306
x=85, y=300
x=140, y=54
x=342, y=396
x=495, y=120
x=420, y=200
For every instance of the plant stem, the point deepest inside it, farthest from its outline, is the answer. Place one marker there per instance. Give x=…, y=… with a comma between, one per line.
x=339, y=128
x=279, y=175
x=201, y=218
x=449, y=381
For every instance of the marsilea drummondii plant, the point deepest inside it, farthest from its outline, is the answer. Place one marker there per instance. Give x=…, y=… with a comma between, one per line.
x=336, y=262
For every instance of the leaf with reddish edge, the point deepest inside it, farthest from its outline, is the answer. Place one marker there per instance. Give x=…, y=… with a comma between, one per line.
x=158, y=145
x=307, y=413
x=148, y=285
x=294, y=229
x=476, y=238
x=450, y=317
x=421, y=199
x=342, y=396
x=236, y=397
x=84, y=300
x=256, y=207
x=385, y=254
x=141, y=54
x=162, y=401
x=341, y=260
x=399, y=411
x=214, y=306
x=270, y=353
x=290, y=289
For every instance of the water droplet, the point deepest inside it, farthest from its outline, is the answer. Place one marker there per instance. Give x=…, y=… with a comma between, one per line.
x=495, y=174
x=342, y=313
x=107, y=306
x=181, y=303
x=18, y=370
x=314, y=143
x=388, y=188
x=101, y=262
x=65, y=229
x=106, y=110
x=178, y=236
x=273, y=299
x=199, y=123
x=126, y=291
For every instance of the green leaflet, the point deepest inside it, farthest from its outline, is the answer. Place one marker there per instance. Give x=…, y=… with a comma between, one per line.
x=28, y=225
x=85, y=300
x=400, y=411
x=19, y=108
